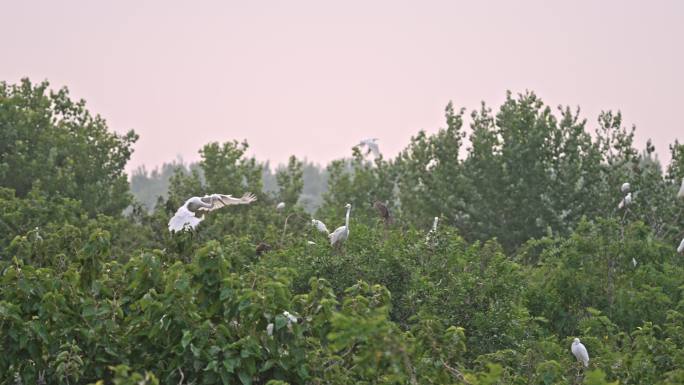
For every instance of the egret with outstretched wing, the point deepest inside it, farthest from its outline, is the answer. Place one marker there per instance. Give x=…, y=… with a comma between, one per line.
x=372, y=146
x=186, y=216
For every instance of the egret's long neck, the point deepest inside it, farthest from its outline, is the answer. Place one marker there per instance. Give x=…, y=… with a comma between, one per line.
x=434, y=224
x=346, y=220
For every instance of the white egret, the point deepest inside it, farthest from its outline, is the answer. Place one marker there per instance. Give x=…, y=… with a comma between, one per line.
x=320, y=226
x=310, y=242
x=341, y=233
x=680, y=194
x=280, y=206
x=269, y=329
x=625, y=188
x=185, y=216
x=433, y=230
x=680, y=249
x=580, y=352
x=634, y=262
x=434, y=224
x=372, y=146
x=626, y=201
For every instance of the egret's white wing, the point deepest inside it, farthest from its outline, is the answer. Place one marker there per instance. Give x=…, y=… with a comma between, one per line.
x=182, y=219
x=581, y=353
x=374, y=148
x=320, y=226
x=339, y=235
x=219, y=200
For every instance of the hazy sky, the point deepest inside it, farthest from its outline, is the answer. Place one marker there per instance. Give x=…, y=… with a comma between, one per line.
x=312, y=78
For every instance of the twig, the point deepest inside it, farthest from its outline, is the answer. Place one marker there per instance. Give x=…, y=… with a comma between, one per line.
x=456, y=373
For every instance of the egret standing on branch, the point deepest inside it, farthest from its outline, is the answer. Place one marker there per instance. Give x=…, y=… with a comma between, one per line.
x=185, y=216
x=341, y=233
x=625, y=188
x=580, y=352
x=280, y=206
x=320, y=226
x=626, y=201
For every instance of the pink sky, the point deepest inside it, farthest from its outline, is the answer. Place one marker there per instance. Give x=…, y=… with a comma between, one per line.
x=312, y=78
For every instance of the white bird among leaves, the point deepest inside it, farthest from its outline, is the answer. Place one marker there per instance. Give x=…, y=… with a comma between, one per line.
x=580, y=352
x=626, y=201
x=186, y=216
x=625, y=188
x=320, y=226
x=341, y=233
x=680, y=249
x=372, y=146
x=280, y=206
x=680, y=194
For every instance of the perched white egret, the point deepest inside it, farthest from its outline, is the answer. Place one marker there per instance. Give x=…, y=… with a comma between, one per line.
x=290, y=317
x=372, y=146
x=269, y=329
x=580, y=352
x=680, y=194
x=433, y=230
x=625, y=188
x=341, y=233
x=434, y=224
x=280, y=206
x=320, y=226
x=626, y=201
x=634, y=262
x=680, y=249
x=185, y=216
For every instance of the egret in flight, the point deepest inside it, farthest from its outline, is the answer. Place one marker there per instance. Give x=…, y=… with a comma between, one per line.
x=341, y=233
x=580, y=352
x=372, y=146
x=185, y=216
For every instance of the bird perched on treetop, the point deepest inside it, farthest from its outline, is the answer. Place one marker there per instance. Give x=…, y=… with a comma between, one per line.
x=185, y=216
x=341, y=233
x=580, y=352
x=320, y=226
x=626, y=201
x=280, y=206
x=383, y=211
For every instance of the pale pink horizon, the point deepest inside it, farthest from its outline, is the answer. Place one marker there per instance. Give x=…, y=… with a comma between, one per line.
x=312, y=78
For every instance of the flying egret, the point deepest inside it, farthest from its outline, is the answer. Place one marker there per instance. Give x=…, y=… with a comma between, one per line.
x=626, y=201
x=372, y=146
x=280, y=206
x=680, y=249
x=341, y=233
x=625, y=188
x=680, y=194
x=580, y=352
x=185, y=216
x=383, y=211
x=320, y=226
